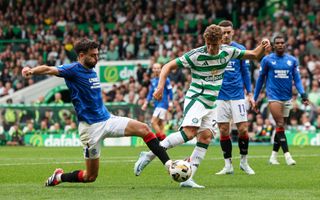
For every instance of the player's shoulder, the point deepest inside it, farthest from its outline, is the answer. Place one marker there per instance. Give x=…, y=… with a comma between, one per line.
x=237, y=45
x=69, y=65
x=290, y=57
x=197, y=51
x=269, y=57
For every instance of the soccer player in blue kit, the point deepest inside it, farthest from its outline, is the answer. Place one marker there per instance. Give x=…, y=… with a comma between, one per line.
x=95, y=122
x=278, y=70
x=231, y=104
x=161, y=107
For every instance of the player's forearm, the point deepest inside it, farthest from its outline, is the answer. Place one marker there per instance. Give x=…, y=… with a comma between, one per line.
x=258, y=87
x=44, y=70
x=165, y=71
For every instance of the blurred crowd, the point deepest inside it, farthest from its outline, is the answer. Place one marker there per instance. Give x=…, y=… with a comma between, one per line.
x=42, y=32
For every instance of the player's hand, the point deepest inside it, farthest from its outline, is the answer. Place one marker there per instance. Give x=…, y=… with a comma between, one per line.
x=255, y=108
x=158, y=94
x=144, y=106
x=266, y=43
x=26, y=72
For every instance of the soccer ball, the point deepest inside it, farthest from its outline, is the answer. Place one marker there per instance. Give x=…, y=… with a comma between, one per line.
x=180, y=170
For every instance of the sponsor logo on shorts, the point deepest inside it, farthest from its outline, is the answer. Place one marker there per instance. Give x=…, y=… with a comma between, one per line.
x=94, y=152
x=195, y=120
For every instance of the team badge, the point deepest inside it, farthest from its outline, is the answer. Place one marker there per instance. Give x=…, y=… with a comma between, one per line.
x=94, y=151
x=273, y=62
x=195, y=120
x=289, y=62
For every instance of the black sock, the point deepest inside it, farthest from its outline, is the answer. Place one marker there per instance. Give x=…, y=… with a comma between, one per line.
x=283, y=142
x=226, y=146
x=276, y=143
x=75, y=176
x=243, y=143
x=154, y=145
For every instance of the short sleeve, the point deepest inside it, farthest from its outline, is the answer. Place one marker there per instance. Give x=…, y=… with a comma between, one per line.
x=66, y=71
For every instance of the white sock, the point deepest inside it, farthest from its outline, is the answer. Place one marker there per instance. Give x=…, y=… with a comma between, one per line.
x=228, y=162
x=287, y=155
x=58, y=177
x=243, y=159
x=174, y=139
x=274, y=154
x=196, y=157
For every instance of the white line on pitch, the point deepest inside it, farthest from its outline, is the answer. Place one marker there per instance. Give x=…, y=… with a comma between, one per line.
x=133, y=159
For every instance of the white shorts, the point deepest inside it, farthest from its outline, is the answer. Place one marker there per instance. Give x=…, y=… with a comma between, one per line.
x=91, y=136
x=287, y=105
x=160, y=113
x=232, y=109
x=195, y=114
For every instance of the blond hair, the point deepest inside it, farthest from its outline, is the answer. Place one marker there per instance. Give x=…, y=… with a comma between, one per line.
x=213, y=33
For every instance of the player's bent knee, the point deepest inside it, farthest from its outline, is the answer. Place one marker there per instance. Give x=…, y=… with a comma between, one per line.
x=206, y=139
x=143, y=129
x=190, y=132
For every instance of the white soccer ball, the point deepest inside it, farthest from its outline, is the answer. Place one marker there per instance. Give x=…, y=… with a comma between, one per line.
x=180, y=170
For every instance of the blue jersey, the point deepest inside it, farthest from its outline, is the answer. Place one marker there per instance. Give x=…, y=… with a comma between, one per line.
x=236, y=78
x=85, y=90
x=167, y=93
x=279, y=71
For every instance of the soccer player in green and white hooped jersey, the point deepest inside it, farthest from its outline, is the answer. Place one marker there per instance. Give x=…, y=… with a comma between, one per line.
x=207, y=66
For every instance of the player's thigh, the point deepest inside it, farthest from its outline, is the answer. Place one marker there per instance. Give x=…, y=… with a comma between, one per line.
x=209, y=121
x=224, y=113
x=276, y=109
x=90, y=137
x=194, y=112
x=239, y=111
x=136, y=128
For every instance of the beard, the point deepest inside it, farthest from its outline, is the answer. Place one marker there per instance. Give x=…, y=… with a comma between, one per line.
x=89, y=64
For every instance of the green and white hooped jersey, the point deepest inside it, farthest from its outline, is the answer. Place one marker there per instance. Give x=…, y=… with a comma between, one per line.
x=207, y=72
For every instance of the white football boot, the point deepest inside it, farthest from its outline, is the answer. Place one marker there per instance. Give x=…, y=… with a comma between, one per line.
x=289, y=159
x=190, y=184
x=244, y=166
x=141, y=163
x=226, y=170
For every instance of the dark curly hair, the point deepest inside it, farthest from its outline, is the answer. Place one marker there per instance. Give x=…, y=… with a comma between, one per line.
x=84, y=44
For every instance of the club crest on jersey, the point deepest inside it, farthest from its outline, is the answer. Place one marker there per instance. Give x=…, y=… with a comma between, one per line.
x=195, y=120
x=289, y=62
x=273, y=62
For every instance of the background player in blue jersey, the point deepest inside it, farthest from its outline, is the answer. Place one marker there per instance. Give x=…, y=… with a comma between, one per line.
x=161, y=107
x=278, y=70
x=95, y=122
x=231, y=104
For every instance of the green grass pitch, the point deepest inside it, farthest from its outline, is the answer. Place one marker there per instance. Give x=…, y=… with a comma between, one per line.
x=23, y=171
